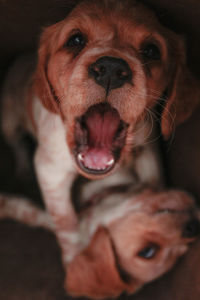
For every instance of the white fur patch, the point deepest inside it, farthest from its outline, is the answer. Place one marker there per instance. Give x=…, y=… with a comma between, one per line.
x=53, y=161
x=110, y=209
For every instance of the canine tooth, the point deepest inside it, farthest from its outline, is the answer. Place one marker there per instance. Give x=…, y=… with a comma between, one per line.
x=80, y=156
x=110, y=162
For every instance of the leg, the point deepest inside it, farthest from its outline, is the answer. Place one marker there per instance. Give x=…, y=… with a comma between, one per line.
x=55, y=174
x=22, y=210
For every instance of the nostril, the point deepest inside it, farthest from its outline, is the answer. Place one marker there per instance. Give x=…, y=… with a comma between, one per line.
x=97, y=71
x=192, y=229
x=122, y=74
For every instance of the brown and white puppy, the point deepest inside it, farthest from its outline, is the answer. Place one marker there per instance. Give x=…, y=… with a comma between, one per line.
x=135, y=240
x=128, y=238
x=99, y=73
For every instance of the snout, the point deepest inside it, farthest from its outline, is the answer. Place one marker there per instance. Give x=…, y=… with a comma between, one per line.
x=103, y=120
x=191, y=229
x=110, y=72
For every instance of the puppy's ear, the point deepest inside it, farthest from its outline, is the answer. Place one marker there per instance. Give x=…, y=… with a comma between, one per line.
x=183, y=92
x=94, y=273
x=44, y=90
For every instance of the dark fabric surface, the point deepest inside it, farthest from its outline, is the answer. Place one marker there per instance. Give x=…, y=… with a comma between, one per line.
x=30, y=266
x=183, y=156
x=21, y=22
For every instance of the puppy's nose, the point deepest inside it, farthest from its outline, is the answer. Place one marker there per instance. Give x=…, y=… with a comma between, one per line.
x=191, y=229
x=110, y=72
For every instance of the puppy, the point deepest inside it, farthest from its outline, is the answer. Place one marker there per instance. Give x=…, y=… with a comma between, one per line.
x=99, y=73
x=128, y=237
x=136, y=240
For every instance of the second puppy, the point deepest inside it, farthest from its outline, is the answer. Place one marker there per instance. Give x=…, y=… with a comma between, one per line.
x=130, y=239
x=127, y=237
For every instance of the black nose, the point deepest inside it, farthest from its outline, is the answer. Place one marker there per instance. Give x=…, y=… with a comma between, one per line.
x=192, y=229
x=110, y=72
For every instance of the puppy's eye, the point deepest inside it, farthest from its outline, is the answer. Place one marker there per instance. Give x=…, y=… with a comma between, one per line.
x=151, y=52
x=76, y=41
x=149, y=251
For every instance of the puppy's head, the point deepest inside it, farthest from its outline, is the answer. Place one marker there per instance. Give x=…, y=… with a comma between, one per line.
x=136, y=248
x=150, y=240
x=103, y=69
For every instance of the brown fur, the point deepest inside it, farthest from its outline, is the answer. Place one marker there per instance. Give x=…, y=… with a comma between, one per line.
x=135, y=24
x=98, y=276
x=63, y=86
x=110, y=264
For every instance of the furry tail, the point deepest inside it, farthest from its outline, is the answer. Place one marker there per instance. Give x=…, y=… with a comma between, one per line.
x=22, y=210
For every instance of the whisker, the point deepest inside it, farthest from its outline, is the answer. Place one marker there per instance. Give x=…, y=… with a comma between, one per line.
x=153, y=119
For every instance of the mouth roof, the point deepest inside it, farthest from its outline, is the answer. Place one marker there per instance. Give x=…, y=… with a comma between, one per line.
x=100, y=137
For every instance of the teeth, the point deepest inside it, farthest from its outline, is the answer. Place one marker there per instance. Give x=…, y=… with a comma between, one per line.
x=80, y=157
x=110, y=162
x=96, y=168
x=101, y=168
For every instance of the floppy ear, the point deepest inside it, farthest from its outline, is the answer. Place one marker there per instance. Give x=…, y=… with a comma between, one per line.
x=183, y=92
x=94, y=273
x=42, y=86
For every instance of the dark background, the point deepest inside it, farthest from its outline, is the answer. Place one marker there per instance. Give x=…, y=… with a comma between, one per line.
x=30, y=266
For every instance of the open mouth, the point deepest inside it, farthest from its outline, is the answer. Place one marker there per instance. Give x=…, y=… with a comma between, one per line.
x=100, y=136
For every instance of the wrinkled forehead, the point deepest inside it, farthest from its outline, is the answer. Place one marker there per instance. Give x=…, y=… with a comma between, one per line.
x=153, y=202
x=156, y=227
x=143, y=229
x=120, y=20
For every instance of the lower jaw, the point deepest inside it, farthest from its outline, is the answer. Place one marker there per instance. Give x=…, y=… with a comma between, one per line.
x=91, y=173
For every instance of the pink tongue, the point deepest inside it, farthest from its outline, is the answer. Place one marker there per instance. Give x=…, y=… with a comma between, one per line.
x=97, y=159
x=102, y=128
